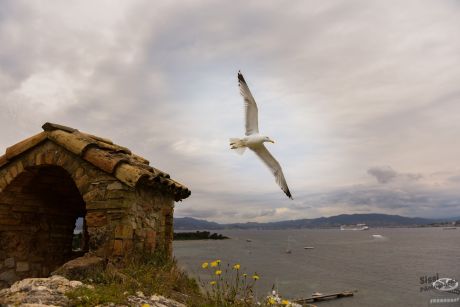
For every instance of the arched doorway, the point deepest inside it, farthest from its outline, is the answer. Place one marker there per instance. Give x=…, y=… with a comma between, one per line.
x=40, y=208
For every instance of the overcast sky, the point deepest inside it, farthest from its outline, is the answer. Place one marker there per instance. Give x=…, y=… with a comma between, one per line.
x=361, y=97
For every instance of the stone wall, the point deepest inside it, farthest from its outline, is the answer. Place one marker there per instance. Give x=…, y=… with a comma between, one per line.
x=45, y=189
x=152, y=217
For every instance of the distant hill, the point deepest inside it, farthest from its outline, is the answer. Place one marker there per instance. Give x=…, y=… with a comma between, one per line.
x=373, y=220
x=189, y=223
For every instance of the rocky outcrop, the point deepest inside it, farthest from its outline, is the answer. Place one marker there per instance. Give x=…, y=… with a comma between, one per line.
x=50, y=292
x=39, y=291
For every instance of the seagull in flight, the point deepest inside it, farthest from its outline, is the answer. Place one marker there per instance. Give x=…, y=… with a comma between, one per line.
x=253, y=140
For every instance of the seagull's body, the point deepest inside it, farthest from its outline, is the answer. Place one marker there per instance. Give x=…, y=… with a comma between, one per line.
x=255, y=141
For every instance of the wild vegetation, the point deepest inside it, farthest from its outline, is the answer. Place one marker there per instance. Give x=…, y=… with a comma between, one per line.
x=226, y=286
x=150, y=275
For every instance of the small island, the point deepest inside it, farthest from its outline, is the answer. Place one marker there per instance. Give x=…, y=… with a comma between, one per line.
x=198, y=235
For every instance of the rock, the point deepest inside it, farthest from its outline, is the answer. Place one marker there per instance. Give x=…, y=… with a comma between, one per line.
x=9, y=263
x=35, y=292
x=50, y=292
x=81, y=267
x=22, y=266
x=153, y=301
x=116, y=185
x=9, y=276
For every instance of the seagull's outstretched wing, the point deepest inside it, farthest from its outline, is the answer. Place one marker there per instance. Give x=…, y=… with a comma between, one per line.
x=274, y=166
x=250, y=107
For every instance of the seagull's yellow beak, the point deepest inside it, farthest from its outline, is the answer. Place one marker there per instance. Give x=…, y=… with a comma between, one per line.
x=272, y=141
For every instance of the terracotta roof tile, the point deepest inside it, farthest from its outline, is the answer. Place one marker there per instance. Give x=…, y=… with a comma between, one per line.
x=140, y=159
x=73, y=142
x=104, y=159
x=51, y=127
x=98, y=138
x=3, y=160
x=24, y=145
x=116, y=160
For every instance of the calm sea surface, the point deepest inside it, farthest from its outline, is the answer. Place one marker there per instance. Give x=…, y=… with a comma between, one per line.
x=385, y=271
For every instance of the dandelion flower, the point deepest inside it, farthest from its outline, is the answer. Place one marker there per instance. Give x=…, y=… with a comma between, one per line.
x=214, y=264
x=218, y=261
x=237, y=266
x=245, y=275
x=218, y=272
x=255, y=277
x=145, y=305
x=204, y=265
x=212, y=283
x=285, y=302
x=271, y=301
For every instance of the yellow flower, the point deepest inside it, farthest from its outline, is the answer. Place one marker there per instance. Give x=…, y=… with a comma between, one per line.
x=236, y=266
x=204, y=265
x=145, y=305
x=214, y=264
x=218, y=272
x=271, y=301
x=212, y=283
x=256, y=277
x=218, y=261
x=245, y=275
x=285, y=302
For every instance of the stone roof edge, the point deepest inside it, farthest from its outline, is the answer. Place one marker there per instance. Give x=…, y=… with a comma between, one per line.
x=118, y=161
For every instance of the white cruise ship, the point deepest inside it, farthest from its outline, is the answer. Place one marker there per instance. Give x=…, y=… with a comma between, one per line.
x=354, y=227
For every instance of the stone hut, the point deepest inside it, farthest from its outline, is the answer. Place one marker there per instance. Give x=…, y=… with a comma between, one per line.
x=53, y=178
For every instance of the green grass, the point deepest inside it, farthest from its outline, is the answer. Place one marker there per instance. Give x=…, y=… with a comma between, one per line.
x=155, y=274
x=158, y=274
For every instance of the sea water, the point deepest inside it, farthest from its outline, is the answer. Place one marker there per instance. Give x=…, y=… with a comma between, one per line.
x=386, y=266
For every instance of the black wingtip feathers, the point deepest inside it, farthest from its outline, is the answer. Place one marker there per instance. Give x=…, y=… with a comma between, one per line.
x=240, y=77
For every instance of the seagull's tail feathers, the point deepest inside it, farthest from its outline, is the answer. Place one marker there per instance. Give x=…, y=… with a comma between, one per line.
x=237, y=145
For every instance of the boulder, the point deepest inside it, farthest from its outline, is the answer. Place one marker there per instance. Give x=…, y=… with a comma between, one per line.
x=38, y=292
x=81, y=267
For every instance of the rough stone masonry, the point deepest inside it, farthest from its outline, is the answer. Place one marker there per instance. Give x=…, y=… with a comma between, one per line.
x=54, y=177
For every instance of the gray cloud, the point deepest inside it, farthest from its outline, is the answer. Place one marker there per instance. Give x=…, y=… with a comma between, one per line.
x=385, y=174
x=382, y=174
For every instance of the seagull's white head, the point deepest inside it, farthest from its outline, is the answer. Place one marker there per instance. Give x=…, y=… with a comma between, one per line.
x=267, y=139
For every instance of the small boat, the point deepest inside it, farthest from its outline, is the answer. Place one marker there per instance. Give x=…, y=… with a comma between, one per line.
x=354, y=227
x=377, y=236
x=308, y=247
x=288, y=249
x=449, y=228
x=248, y=240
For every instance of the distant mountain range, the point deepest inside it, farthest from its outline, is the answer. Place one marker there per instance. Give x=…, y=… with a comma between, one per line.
x=372, y=220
